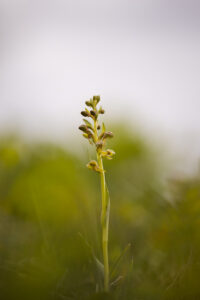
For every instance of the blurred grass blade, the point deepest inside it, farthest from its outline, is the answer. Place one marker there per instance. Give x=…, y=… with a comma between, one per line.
x=99, y=265
x=119, y=260
x=116, y=281
x=87, y=244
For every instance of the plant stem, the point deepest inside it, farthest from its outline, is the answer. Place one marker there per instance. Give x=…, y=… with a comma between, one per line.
x=105, y=213
x=105, y=210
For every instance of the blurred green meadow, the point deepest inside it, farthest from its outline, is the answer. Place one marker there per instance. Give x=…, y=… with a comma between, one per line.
x=50, y=243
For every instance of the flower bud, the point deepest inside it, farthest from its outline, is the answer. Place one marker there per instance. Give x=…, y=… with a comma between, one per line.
x=110, y=152
x=83, y=128
x=99, y=144
x=101, y=111
x=92, y=165
x=85, y=113
x=98, y=127
x=96, y=99
x=93, y=113
x=107, y=134
x=89, y=103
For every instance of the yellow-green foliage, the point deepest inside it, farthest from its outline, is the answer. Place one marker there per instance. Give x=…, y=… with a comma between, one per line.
x=49, y=225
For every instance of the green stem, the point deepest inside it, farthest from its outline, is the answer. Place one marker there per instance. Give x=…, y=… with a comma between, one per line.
x=105, y=212
x=105, y=225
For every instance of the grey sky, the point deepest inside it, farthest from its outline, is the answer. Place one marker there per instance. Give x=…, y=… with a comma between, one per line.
x=141, y=56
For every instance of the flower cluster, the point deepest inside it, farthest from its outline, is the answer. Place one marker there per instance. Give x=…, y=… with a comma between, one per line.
x=96, y=133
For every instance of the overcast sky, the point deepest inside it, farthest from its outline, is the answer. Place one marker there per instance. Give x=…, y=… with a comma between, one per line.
x=141, y=56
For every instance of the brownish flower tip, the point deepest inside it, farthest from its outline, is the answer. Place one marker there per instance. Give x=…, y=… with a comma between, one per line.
x=88, y=103
x=83, y=128
x=93, y=113
x=98, y=127
x=92, y=163
x=85, y=113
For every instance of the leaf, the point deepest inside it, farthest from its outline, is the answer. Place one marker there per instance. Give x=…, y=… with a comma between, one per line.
x=103, y=127
x=85, y=135
x=118, y=261
x=88, y=124
x=100, y=266
x=87, y=111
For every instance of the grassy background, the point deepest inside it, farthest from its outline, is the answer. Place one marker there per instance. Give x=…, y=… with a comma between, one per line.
x=50, y=224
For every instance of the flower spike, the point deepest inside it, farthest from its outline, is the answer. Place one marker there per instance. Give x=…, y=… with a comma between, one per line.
x=91, y=131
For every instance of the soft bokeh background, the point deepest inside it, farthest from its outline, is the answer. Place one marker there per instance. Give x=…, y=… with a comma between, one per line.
x=142, y=57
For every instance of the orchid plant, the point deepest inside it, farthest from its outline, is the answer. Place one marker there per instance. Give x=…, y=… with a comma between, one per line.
x=97, y=135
